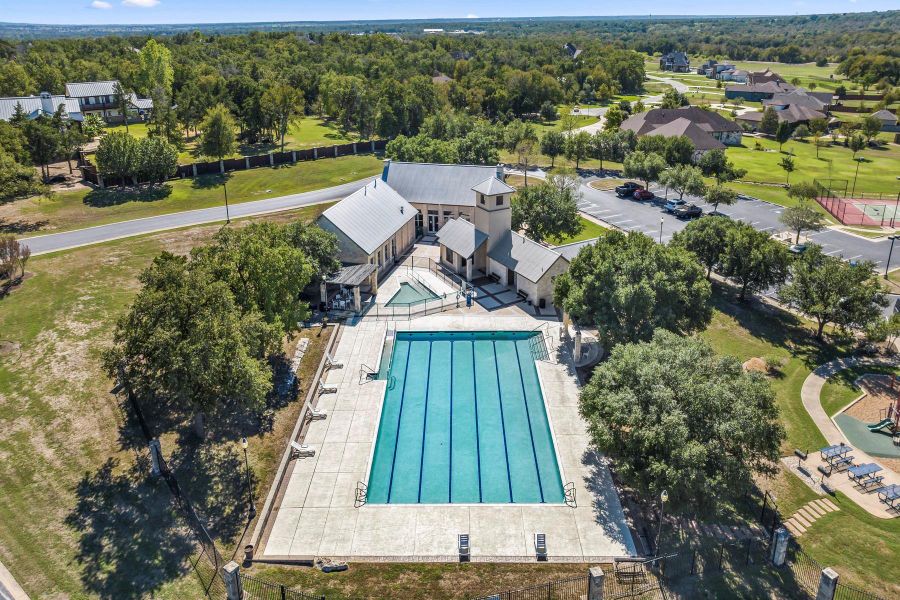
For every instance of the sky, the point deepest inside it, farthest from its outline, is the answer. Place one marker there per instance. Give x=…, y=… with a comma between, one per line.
x=221, y=11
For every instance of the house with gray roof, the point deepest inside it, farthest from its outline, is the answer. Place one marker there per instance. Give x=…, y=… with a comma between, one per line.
x=888, y=120
x=374, y=225
x=439, y=192
x=35, y=106
x=99, y=98
x=675, y=61
x=707, y=130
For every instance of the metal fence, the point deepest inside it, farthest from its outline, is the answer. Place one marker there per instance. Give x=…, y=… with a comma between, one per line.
x=574, y=588
x=257, y=589
x=877, y=209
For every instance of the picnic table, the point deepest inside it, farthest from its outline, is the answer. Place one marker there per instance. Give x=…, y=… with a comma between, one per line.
x=863, y=471
x=829, y=453
x=889, y=494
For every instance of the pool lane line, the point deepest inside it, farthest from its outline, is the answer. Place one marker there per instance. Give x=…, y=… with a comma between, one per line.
x=425, y=419
x=537, y=467
x=502, y=421
x=399, y=416
x=450, y=478
x=477, y=432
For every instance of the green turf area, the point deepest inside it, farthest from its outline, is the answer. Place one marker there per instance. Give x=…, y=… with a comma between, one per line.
x=85, y=208
x=877, y=171
x=590, y=231
x=80, y=516
x=564, y=111
x=860, y=547
x=841, y=390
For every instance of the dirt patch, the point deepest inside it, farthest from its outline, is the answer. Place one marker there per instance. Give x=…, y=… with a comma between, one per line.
x=8, y=348
x=878, y=397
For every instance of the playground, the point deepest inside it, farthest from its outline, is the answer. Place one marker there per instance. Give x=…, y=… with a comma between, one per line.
x=872, y=422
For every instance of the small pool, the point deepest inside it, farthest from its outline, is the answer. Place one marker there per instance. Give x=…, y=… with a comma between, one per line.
x=411, y=292
x=464, y=421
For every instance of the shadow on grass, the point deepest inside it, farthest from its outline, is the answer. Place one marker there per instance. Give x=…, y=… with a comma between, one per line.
x=101, y=198
x=778, y=328
x=130, y=540
x=207, y=182
x=19, y=227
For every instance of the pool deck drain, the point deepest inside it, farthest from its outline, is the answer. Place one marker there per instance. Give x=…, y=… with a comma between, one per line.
x=316, y=515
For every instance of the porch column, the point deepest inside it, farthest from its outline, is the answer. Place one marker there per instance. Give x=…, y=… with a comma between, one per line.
x=374, y=282
x=357, y=303
x=469, y=268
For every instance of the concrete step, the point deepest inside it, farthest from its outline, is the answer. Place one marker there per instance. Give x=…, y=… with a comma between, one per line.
x=807, y=514
x=828, y=505
x=814, y=508
x=799, y=518
x=794, y=527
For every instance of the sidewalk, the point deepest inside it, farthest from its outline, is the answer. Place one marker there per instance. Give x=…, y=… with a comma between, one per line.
x=9, y=587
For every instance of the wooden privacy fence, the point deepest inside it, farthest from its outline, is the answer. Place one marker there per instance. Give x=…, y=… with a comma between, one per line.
x=272, y=159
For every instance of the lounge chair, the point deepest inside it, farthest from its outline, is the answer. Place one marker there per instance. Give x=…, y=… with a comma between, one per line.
x=330, y=363
x=316, y=414
x=302, y=450
x=327, y=389
x=463, y=545
x=540, y=546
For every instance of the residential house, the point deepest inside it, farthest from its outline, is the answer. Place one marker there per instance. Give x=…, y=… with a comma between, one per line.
x=757, y=92
x=35, y=106
x=707, y=130
x=764, y=77
x=735, y=75
x=99, y=98
x=794, y=107
x=716, y=71
x=374, y=226
x=888, y=120
x=438, y=192
x=675, y=61
x=707, y=65
x=571, y=50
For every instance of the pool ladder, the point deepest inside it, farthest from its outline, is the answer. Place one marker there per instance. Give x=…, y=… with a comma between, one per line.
x=362, y=494
x=569, y=491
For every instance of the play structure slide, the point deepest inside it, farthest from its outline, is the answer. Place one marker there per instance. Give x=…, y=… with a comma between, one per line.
x=880, y=425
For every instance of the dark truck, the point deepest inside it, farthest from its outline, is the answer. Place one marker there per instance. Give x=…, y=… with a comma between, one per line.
x=627, y=189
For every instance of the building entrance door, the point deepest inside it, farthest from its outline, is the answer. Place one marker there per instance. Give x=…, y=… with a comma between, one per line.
x=511, y=278
x=433, y=223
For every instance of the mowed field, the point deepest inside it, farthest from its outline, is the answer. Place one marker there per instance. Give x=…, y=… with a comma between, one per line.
x=80, y=516
x=87, y=207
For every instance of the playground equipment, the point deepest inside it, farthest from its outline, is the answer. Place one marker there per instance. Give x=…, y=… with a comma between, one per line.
x=891, y=419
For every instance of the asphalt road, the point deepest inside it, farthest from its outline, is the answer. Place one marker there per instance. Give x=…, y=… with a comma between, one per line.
x=103, y=233
x=631, y=215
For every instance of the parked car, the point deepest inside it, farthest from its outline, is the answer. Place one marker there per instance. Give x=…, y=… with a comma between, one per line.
x=627, y=189
x=673, y=204
x=643, y=195
x=689, y=211
x=797, y=248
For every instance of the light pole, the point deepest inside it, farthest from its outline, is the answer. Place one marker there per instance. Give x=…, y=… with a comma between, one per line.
x=252, y=512
x=227, y=217
x=661, y=221
x=887, y=266
x=663, y=498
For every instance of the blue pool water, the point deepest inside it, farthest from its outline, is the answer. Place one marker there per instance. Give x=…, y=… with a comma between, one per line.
x=464, y=421
x=411, y=293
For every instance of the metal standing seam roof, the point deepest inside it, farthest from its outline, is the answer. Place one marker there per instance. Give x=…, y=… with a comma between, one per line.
x=524, y=256
x=493, y=187
x=371, y=215
x=461, y=237
x=83, y=89
x=32, y=104
x=352, y=275
x=429, y=183
x=570, y=251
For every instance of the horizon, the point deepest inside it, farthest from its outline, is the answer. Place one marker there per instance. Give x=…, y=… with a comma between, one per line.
x=233, y=12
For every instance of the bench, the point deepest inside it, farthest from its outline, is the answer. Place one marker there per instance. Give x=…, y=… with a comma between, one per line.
x=866, y=484
x=841, y=463
x=494, y=277
x=522, y=295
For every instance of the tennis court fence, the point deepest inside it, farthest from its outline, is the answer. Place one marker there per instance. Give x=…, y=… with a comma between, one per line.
x=857, y=208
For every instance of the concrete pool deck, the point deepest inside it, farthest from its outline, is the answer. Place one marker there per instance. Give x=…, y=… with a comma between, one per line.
x=315, y=515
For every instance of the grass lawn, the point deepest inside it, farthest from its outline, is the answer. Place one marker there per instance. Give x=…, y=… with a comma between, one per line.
x=877, y=171
x=543, y=127
x=80, y=516
x=841, y=390
x=862, y=548
x=87, y=207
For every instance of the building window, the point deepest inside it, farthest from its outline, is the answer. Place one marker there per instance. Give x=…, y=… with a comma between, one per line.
x=481, y=198
x=447, y=215
x=499, y=200
x=465, y=216
x=449, y=255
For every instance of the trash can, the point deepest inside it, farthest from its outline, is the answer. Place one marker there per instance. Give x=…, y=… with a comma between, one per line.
x=468, y=299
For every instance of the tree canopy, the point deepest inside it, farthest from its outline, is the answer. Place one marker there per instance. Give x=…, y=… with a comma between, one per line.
x=628, y=285
x=675, y=416
x=548, y=209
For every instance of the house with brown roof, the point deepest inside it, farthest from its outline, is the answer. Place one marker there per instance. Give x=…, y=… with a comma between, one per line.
x=764, y=77
x=707, y=130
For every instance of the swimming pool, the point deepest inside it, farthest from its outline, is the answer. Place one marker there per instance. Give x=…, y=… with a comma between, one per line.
x=411, y=293
x=464, y=421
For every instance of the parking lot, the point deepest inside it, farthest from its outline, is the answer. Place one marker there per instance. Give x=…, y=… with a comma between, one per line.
x=649, y=218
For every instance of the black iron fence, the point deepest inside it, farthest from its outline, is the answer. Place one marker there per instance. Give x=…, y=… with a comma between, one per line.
x=257, y=589
x=273, y=159
x=574, y=588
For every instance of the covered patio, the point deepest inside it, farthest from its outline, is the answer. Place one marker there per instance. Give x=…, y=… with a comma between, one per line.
x=346, y=287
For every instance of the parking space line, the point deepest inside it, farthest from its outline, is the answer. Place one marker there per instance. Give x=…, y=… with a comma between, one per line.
x=767, y=229
x=854, y=257
x=832, y=252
